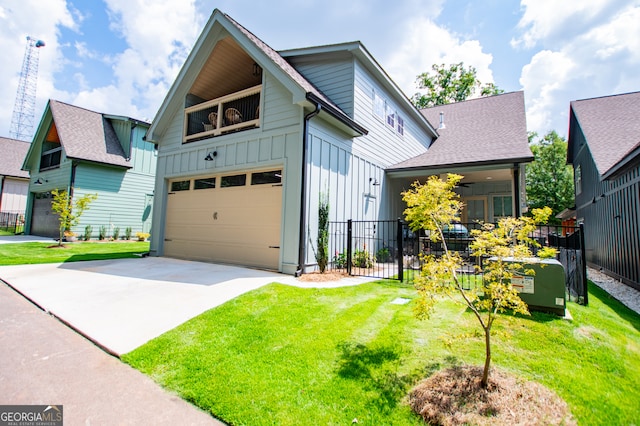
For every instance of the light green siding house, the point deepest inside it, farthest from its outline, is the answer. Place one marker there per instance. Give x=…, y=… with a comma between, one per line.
x=249, y=139
x=86, y=152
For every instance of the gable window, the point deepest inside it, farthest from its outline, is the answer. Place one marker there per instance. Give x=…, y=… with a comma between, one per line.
x=391, y=116
x=400, y=128
x=578, y=179
x=378, y=105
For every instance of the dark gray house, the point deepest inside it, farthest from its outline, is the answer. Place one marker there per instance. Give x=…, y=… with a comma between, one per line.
x=604, y=149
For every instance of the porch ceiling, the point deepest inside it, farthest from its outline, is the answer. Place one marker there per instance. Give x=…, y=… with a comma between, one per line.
x=227, y=70
x=471, y=175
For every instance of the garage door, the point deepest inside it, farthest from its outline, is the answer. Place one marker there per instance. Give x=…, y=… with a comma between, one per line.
x=44, y=222
x=226, y=218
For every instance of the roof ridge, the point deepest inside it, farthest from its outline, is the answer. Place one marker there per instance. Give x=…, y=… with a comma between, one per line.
x=474, y=99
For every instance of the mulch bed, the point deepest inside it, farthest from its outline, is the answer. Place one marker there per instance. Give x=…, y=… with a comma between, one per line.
x=454, y=397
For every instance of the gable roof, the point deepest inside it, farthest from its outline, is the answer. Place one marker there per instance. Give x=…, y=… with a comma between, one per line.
x=482, y=131
x=303, y=91
x=13, y=154
x=611, y=127
x=359, y=51
x=87, y=135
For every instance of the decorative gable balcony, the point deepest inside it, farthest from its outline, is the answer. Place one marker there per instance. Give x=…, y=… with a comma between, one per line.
x=230, y=113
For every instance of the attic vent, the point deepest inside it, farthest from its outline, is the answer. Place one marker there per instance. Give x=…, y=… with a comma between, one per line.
x=442, y=126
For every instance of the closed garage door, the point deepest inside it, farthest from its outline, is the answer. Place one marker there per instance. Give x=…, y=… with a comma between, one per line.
x=226, y=218
x=44, y=222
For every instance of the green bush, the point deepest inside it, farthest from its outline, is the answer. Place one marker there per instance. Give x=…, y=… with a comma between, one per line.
x=116, y=233
x=340, y=260
x=88, y=230
x=127, y=233
x=383, y=255
x=363, y=259
x=102, y=233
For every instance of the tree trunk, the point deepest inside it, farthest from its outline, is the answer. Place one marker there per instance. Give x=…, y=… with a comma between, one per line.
x=487, y=360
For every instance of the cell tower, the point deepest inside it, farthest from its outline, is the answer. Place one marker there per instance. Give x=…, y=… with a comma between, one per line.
x=24, y=108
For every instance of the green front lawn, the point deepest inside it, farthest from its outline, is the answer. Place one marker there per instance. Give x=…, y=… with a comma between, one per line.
x=289, y=356
x=29, y=253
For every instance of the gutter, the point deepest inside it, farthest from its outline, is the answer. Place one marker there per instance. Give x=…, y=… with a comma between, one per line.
x=302, y=246
x=337, y=114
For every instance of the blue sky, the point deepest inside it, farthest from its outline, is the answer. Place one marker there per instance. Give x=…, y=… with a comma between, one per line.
x=121, y=56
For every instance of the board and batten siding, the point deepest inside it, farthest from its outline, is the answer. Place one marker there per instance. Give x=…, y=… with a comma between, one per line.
x=14, y=194
x=610, y=211
x=125, y=198
x=383, y=144
x=275, y=144
x=347, y=179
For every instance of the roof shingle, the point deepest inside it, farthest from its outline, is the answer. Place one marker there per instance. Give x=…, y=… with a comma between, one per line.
x=611, y=126
x=484, y=130
x=87, y=135
x=12, y=154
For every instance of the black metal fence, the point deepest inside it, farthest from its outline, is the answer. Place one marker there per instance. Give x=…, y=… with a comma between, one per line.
x=12, y=222
x=390, y=250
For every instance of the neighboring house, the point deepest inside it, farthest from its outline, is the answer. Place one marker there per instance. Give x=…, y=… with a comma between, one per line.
x=87, y=152
x=14, y=182
x=484, y=140
x=249, y=139
x=604, y=149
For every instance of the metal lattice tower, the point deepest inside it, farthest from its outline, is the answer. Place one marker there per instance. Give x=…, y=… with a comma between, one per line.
x=25, y=105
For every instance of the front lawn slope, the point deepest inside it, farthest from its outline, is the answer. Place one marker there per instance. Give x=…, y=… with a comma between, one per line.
x=289, y=356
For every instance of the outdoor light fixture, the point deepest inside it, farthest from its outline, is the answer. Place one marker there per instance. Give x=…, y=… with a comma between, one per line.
x=374, y=182
x=39, y=181
x=211, y=155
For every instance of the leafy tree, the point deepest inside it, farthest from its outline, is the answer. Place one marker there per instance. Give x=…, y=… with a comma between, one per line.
x=434, y=205
x=69, y=214
x=549, y=177
x=453, y=84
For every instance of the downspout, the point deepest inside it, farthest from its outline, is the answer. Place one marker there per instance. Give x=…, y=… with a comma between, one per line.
x=1, y=190
x=134, y=124
x=302, y=247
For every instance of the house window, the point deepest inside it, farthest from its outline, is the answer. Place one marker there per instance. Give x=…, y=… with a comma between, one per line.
x=235, y=180
x=51, y=158
x=378, y=105
x=391, y=116
x=578, y=178
x=180, y=185
x=262, y=178
x=502, y=206
x=400, y=127
x=206, y=183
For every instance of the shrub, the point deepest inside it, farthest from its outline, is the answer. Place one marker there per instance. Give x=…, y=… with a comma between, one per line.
x=88, y=230
x=383, y=255
x=340, y=260
x=363, y=259
x=102, y=233
x=127, y=233
x=116, y=233
x=142, y=236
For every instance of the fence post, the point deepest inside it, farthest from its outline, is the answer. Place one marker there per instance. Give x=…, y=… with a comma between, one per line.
x=400, y=251
x=349, y=245
x=585, y=285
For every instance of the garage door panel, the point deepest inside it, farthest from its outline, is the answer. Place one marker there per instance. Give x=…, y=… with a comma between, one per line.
x=238, y=225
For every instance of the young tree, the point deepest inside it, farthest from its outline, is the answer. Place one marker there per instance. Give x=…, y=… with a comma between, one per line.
x=322, y=255
x=453, y=84
x=434, y=205
x=549, y=177
x=69, y=214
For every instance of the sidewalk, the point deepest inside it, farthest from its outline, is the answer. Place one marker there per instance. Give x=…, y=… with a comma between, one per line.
x=44, y=362
x=10, y=239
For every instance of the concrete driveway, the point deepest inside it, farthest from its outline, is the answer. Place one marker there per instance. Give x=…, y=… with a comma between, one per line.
x=121, y=304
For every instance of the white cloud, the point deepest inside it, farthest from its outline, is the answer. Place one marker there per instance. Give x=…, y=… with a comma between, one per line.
x=42, y=20
x=426, y=44
x=602, y=60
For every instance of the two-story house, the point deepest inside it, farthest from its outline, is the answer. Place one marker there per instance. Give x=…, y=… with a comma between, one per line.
x=86, y=152
x=249, y=140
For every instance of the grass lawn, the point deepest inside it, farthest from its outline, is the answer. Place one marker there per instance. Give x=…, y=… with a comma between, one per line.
x=289, y=356
x=29, y=253
x=4, y=233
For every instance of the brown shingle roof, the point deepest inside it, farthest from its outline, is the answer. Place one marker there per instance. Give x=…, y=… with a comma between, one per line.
x=87, y=135
x=12, y=154
x=611, y=126
x=484, y=130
